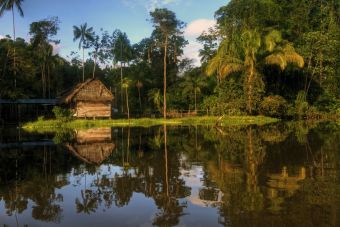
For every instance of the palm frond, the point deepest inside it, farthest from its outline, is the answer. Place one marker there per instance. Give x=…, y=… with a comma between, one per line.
x=76, y=33
x=213, y=65
x=295, y=58
x=18, y=5
x=276, y=59
x=292, y=56
x=230, y=68
x=9, y=4
x=251, y=40
x=271, y=40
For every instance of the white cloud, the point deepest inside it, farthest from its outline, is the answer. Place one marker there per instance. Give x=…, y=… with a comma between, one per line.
x=3, y=37
x=153, y=4
x=191, y=51
x=196, y=27
x=56, y=48
x=149, y=5
x=193, y=30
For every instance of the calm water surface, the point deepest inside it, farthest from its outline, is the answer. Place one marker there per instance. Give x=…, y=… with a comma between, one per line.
x=286, y=174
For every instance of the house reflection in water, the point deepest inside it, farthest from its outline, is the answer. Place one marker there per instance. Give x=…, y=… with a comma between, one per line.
x=282, y=185
x=92, y=146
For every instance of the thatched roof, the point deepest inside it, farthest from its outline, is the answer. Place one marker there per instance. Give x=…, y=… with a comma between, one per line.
x=90, y=90
x=91, y=153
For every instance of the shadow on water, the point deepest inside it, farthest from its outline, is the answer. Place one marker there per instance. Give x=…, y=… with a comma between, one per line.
x=280, y=174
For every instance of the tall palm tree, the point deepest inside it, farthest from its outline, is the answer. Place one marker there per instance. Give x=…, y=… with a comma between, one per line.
x=9, y=5
x=250, y=54
x=84, y=34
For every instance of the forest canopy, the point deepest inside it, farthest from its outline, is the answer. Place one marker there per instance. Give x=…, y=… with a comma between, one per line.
x=271, y=57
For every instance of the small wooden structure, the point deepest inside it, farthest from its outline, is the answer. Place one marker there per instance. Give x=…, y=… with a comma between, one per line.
x=92, y=146
x=88, y=99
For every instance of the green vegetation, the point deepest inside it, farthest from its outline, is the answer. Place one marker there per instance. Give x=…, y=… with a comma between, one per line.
x=62, y=114
x=271, y=57
x=243, y=163
x=46, y=125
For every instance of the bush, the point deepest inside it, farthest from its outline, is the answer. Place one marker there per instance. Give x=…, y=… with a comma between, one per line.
x=301, y=105
x=41, y=118
x=63, y=136
x=216, y=106
x=327, y=103
x=62, y=114
x=274, y=106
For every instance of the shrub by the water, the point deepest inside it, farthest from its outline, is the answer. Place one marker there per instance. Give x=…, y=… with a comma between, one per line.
x=62, y=114
x=327, y=102
x=301, y=105
x=274, y=106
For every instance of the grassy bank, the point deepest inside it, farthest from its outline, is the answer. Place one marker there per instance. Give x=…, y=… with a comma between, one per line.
x=148, y=122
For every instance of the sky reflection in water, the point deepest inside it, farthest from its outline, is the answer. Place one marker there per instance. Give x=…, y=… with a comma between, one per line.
x=282, y=174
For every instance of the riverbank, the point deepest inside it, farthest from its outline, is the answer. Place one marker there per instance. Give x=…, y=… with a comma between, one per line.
x=42, y=124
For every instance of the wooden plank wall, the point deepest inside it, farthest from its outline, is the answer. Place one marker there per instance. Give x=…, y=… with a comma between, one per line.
x=94, y=135
x=91, y=109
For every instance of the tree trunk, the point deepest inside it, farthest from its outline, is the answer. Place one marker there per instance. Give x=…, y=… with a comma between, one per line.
x=83, y=65
x=308, y=69
x=14, y=52
x=121, y=88
x=321, y=67
x=195, y=100
x=116, y=102
x=94, y=67
x=140, y=99
x=251, y=178
x=5, y=63
x=43, y=80
x=250, y=87
x=49, y=81
x=149, y=55
x=166, y=160
x=164, y=78
x=128, y=147
x=127, y=102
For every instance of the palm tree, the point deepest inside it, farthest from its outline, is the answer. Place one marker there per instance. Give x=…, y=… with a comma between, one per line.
x=125, y=84
x=9, y=5
x=251, y=53
x=155, y=97
x=88, y=204
x=192, y=84
x=84, y=34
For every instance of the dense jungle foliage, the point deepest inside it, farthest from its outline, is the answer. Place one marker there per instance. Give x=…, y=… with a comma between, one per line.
x=271, y=57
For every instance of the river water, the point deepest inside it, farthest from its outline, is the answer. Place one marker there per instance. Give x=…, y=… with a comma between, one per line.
x=284, y=174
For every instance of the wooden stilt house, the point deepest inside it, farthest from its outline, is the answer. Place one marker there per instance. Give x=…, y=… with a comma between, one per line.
x=89, y=99
x=92, y=146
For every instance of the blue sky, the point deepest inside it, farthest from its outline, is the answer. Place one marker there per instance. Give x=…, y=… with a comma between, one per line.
x=130, y=16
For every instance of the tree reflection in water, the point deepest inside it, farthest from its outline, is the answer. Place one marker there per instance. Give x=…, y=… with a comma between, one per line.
x=284, y=174
x=170, y=209
x=88, y=203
